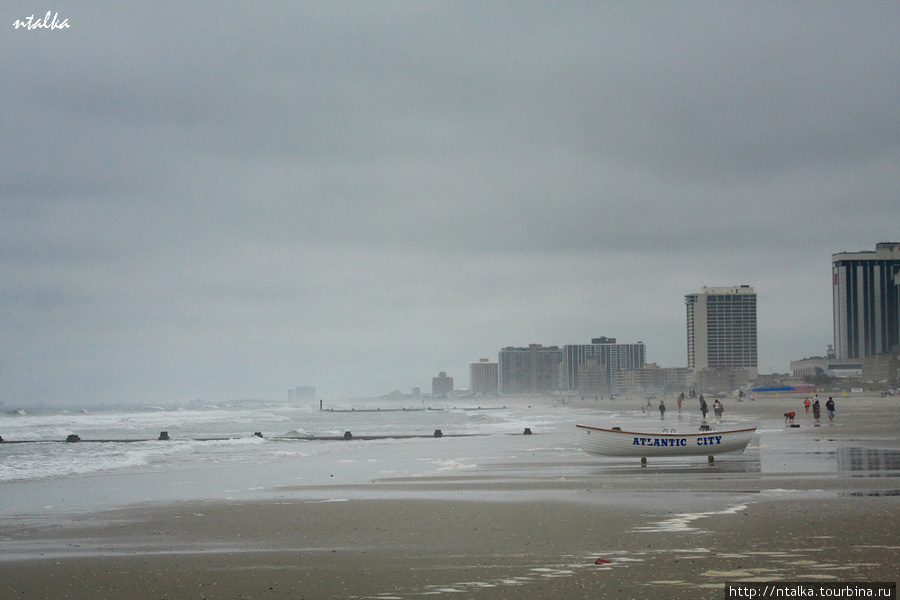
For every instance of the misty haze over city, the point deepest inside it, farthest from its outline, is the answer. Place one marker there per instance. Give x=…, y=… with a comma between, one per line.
x=233, y=200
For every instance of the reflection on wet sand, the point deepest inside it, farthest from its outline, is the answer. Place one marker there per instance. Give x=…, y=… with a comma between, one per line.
x=869, y=462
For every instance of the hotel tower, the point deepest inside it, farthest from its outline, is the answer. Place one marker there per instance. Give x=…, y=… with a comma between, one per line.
x=866, y=295
x=721, y=329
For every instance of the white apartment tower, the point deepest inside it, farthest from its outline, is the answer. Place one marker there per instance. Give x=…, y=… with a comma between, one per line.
x=484, y=377
x=721, y=329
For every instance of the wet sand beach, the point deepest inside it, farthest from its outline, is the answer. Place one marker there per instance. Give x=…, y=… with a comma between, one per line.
x=802, y=504
x=398, y=549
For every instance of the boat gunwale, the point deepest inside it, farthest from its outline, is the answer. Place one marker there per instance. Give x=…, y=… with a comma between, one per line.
x=667, y=435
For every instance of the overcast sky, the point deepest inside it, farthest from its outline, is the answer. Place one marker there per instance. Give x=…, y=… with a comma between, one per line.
x=226, y=200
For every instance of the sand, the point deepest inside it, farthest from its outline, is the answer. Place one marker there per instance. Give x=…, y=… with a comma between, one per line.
x=680, y=531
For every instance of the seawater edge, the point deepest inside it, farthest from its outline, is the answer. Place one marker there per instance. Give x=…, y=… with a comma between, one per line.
x=278, y=438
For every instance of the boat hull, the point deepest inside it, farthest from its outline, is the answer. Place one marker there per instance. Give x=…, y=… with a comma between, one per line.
x=614, y=442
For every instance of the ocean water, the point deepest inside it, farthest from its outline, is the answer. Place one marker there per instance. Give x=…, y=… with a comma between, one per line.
x=213, y=452
x=123, y=438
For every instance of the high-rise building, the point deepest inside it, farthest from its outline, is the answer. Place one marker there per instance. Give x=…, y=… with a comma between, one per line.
x=605, y=353
x=721, y=329
x=866, y=300
x=441, y=385
x=531, y=370
x=484, y=377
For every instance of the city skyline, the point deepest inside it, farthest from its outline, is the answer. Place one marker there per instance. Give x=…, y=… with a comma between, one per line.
x=357, y=196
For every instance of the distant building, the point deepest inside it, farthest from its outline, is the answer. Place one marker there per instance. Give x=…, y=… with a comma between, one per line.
x=883, y=369
x=721, y=329
x=531, y=370
x=302, y=394
x=826, y=365
x=651, y=378
x=484, y=377
x=441, y=385
x=721, y=380
x=593, y=378
x=866, y=300
x=604, y=352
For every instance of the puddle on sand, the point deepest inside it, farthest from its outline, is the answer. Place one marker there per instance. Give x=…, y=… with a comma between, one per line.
x=682, y=523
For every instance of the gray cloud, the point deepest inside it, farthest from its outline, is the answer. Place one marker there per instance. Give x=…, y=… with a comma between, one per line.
x=223, y=200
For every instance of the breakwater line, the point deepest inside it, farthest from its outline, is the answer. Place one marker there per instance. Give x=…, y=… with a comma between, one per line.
x=164, y=437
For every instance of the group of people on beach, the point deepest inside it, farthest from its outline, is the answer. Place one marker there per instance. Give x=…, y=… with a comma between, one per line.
x=718, y=407
x=813, y=403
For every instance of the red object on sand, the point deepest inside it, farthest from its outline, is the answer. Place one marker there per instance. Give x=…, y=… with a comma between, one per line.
x=602, y=561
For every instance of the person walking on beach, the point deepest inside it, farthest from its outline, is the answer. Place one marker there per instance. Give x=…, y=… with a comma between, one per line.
x=703, y=408
x=718, y=409
x=662, y=410
x=806, y=405
x=680, y=400
x=829, y=406
x=817, y=410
